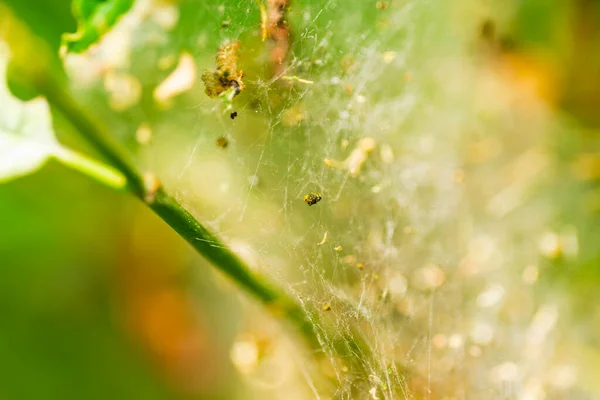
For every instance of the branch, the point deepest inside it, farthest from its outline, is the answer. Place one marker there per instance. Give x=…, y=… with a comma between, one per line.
x=276, y=300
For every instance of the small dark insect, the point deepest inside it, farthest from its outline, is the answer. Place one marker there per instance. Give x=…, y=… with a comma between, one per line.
x=233, y=115
x=312, y=198
x=222, y=142
x=225, y=24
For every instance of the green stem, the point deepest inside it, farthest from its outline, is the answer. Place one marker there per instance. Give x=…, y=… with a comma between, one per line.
x=90, y=127
x=92, y=168
x=213, y=249
x=276, y=300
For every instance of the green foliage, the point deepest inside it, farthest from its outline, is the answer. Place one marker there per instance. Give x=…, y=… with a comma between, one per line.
x=27, y=140
x=34, y=35
x=26, y=136
x=94, y=19
x=37, y=33
x=47, y=19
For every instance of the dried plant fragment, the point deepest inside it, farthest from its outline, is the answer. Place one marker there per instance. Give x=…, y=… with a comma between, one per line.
x=151, y=186
x=356, y=159
x=297, y=79
x=226, y=77
x=324, y=240
x=179, y=81
x=263, y=20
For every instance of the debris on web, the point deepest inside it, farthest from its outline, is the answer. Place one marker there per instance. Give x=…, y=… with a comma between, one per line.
x=227, y=77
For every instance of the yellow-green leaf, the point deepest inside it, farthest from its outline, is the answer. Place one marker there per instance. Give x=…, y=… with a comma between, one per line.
x=94, y=19
x=26, y=136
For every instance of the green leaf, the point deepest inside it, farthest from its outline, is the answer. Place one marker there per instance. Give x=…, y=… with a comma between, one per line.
x=19, y=83
x=26, y=136
x=27, y=139
x=94, y=19
x=33, y=30
x=46, y=19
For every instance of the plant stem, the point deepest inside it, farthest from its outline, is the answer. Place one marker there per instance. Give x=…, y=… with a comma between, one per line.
x=91, y=129
x=276, y=300
x=92, y=168
x=211, y=247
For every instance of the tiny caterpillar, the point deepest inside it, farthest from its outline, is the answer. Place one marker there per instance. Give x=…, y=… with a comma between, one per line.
x=226, y=76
